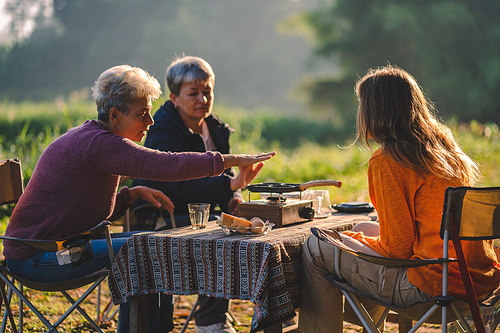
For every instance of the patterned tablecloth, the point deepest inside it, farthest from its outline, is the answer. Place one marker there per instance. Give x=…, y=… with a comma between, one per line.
x=265, y=269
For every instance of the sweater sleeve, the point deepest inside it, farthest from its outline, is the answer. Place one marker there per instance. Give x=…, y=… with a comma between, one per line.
x=113, y=154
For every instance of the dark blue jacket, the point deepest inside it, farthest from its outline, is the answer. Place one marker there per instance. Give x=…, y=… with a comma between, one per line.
x=169, y=133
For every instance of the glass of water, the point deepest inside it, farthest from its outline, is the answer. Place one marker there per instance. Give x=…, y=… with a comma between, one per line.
x=198, y=214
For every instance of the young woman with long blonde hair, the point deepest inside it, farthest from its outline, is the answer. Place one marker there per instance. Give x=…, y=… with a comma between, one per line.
x=417, y=158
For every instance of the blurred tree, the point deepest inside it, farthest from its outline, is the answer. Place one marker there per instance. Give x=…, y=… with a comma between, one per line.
x=452, y=47
x=22, y=14
x=56, y=57
x=256, y=64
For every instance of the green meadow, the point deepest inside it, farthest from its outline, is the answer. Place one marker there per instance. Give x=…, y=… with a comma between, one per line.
x=309, y=147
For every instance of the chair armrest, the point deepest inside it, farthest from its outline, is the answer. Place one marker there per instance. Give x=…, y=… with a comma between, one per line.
x=57, y=245
x=326, y=236
x=46, y=245
x=87, y=235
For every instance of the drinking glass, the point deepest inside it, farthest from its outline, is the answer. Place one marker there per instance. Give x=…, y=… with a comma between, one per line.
x=321, y=201
x=198, y=214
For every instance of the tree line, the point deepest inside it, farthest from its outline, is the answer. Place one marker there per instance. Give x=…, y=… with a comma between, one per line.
x=452, y=47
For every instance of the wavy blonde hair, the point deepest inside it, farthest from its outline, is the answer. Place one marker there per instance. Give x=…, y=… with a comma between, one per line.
x=394, y=112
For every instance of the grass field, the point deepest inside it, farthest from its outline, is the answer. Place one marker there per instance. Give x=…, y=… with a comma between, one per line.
x=27, y=128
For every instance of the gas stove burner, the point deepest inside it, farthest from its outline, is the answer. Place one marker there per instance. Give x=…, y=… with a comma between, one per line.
x=278, y=199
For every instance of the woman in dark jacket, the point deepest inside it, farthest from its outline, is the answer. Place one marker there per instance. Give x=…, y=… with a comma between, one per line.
x=169, y=133
x=186, y=123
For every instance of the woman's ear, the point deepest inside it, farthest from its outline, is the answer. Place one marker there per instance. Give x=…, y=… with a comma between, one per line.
x=173, y=98
x=113, y=114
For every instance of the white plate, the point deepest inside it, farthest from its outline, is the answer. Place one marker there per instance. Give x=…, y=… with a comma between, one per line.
x=245, y=231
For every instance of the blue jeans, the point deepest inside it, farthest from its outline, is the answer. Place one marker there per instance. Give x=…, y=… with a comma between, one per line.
x=43, y=267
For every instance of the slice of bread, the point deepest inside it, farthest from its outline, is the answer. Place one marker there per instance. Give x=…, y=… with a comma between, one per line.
x=226, y=219
x=239, y=223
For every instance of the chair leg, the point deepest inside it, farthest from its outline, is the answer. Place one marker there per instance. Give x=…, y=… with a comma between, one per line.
x=76, y=305
x=361, y=312
x=191, y=314
x=495, y=323
x=23, y=298
x=105, y=316
x=105, y=313
x=21, y=308
x=459, y=326
x=98, y=305
x=461, y=320
x=82, y=312
x=113, y=314
x=7, y=312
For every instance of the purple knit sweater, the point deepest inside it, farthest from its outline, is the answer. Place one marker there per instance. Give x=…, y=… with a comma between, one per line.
x=75, y=182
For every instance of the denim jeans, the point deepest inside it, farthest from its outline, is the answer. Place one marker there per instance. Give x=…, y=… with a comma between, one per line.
x=44, y=267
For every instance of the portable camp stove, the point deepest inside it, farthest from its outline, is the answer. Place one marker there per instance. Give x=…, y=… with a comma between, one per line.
x=279, y=209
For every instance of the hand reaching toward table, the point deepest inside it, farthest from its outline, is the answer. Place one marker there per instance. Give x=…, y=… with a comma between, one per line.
x=156, y=197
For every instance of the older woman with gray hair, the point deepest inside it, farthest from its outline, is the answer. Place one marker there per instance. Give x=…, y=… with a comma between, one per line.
x=186, y=123
x=75, y=183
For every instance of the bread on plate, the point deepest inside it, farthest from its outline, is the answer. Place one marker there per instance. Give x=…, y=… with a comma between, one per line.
x=239, y=223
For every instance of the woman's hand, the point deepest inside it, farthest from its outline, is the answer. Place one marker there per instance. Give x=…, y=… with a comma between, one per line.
x=156, y=197
x=243, y=160
x=233, y=204
x=246, y=175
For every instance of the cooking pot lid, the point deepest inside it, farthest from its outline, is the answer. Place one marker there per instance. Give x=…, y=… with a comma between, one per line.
x=273, y=187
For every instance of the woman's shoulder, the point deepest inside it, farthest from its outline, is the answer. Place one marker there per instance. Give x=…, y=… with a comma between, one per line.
x=378, y=157
x=213, y=121
x=386, y=164
x=167, y=117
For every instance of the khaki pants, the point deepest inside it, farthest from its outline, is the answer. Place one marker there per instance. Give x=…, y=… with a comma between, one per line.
x=322, y=304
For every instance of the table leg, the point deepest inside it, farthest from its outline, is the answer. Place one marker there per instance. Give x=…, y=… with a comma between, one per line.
x=139, y=314
x=278, y=328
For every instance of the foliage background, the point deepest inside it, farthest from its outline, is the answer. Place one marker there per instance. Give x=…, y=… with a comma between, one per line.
x=452, y=48
x=257, y=63
x=299, y=57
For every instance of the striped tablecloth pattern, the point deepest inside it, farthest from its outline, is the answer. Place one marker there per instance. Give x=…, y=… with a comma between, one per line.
x=265, y=269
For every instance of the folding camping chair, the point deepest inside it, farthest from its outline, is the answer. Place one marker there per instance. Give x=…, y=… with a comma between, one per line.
x=11, y=188
x=469, y=214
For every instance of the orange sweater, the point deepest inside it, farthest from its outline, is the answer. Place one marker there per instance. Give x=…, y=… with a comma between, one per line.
x=409, y=209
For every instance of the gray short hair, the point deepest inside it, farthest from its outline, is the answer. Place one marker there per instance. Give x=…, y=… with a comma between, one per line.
x=188, y=69
x=120, y=87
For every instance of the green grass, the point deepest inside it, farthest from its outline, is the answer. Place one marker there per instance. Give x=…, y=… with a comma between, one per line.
x=27, y=128
x=299, y=160
x=303, y=155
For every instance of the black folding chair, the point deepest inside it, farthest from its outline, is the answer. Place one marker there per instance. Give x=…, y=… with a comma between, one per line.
x=11, y=189
x=468, y=214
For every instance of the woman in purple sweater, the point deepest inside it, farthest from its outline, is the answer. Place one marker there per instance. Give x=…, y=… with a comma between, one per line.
x=75, y=183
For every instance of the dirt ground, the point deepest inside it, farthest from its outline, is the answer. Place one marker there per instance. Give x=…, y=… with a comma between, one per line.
x=243, y=311
x=49, y=304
